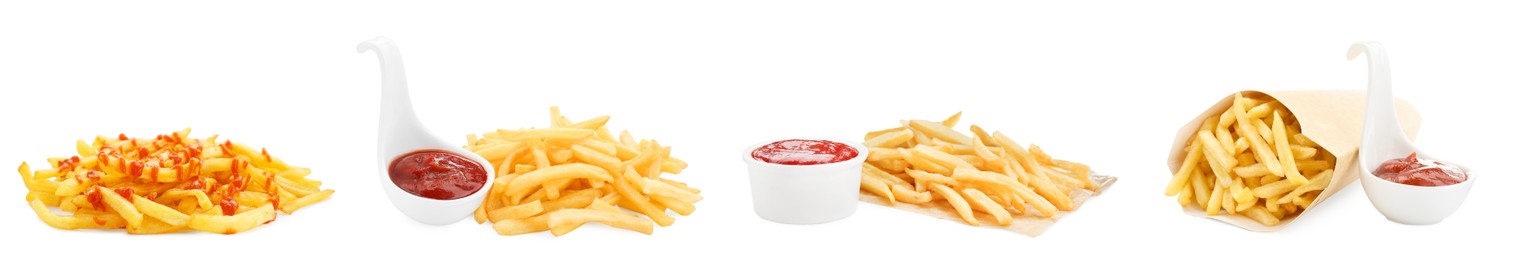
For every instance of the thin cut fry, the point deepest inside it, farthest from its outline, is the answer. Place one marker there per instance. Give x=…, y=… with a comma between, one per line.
x=961, y=206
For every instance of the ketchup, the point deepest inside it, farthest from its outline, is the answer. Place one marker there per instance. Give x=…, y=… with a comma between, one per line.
x=437, y=175
x=1420, y=172
x=805, y=152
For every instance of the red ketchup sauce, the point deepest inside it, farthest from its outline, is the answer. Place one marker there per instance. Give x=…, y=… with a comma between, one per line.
x=437, y=175
x=1420, y=172
x=805, y=152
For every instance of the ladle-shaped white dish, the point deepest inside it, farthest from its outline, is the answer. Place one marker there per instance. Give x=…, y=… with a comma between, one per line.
x=400, y=133
x=1383, y=140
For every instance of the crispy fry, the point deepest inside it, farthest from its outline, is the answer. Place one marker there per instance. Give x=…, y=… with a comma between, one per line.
x=155, y=226
x=985, y=204
x=1219, y=160
x=882, y=154
x=1316, y=183
x=1201, y=187
x=1180, y=178
x=1215, y=201
x=653, y=187
x=120, y=205
x=77, y=221
x=925, y=177
x=524, y=184
x=962, y=207
x=890, y=140
x=305, y=201
x=545, y=133
x=1186, y=196
x=877, y=133
x=165, y=214
x=521, y=211
x=1250, y=171
x=878, y=187
x=510, y=227
x=1285, y=156
x=939, y=131
x=615, y=219
x=233, y=224
x=676, y=205
x=950, y=122
x=1262, y=216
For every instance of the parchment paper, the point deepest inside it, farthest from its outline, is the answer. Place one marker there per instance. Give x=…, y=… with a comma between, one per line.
x=1028, y=224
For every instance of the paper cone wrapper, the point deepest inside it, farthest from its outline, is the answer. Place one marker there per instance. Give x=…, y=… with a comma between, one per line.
x=1333, y=119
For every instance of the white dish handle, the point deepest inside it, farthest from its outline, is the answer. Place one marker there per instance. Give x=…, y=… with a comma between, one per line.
x=397, y=114
x=1382, y=133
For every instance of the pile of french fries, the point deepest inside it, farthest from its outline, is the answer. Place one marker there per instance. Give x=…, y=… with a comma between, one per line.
x=562, y=177
x=1252, y=161
x=923, y=162
x=168, y=184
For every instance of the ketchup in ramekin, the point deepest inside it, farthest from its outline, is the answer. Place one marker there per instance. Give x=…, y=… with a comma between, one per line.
x=1420, y=172
x=804, y=152
x=437, y=175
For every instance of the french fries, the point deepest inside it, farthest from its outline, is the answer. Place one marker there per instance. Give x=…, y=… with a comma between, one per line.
x=559, y=178
x=1252, y=161
x=984, y=178
x=167, y=184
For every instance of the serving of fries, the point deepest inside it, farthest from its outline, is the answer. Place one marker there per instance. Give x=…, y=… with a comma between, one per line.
x=572, y=173
x=167, y=184
x=1252, y=161
x=975, y=177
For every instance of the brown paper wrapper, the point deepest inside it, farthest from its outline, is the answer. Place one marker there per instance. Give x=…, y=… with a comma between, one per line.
x=1333, y=119
x=1028, y=224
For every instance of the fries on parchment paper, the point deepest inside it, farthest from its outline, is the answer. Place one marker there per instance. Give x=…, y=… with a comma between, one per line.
x=168, y=184
x=572, y=173
x=981, y=179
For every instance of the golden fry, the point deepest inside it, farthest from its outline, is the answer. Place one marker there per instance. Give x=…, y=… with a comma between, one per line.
x=962, y=207
x=165, y=214
x=233, y=224
x=569, y=217
x=878, y=187
x=524, y=184
x=1286, y=157
x=521, y=211
x=984, y=203
x=545, y=133
x=1180, y=178
x=890, y=140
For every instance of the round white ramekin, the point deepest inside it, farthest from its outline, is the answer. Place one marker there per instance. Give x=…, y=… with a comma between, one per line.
x=805, y=194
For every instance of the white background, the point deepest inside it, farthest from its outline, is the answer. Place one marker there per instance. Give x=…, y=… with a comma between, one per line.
x=1105, y=83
